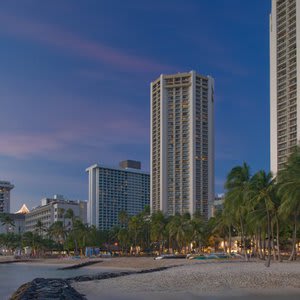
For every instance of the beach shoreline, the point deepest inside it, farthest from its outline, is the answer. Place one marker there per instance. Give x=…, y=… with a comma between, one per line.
x=182, y=278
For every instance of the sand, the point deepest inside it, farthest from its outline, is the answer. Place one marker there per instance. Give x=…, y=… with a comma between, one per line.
x=197, y=280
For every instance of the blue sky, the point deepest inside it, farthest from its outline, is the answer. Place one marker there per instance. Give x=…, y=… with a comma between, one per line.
x=74, y=84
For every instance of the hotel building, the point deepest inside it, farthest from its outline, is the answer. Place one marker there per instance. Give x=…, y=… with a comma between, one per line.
x=54, y=209
x=112, y=190
x=284, y=86
x=5, y=188
x=218, y=204
x=182, y=144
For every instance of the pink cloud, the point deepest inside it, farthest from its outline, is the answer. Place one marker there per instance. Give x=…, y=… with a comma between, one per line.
x=77, y=45
x=96, y=132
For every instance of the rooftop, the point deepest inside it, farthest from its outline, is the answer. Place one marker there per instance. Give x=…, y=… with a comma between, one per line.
x=130, y=170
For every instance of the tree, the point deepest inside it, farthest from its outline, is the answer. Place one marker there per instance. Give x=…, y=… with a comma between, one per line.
x=180, y=229
x=261, y=194
x=289, y=191
x=32, y=240
x=70, y=215
x=134, y=227
x=221, y=228
x=237, y=185
x=157, y=229
x=39, y=227
x=198, y=228
x=57, y=231
x=123, y=218
x=123, y=238
x=7, y=221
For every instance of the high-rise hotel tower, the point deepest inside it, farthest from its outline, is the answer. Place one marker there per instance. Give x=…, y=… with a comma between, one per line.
x=182, y=144
x=284, y=80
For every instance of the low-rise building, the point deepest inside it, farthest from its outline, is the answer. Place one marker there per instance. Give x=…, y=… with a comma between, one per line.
x=54, y=209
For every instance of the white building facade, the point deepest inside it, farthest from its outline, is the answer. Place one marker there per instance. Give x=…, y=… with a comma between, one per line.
x=182, y=144
x=5, y=188
x=54, y=209
x=284, y=86
x=112, y=190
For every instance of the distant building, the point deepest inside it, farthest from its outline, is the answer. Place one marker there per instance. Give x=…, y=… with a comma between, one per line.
x=112, y=190
x=130, y=164
x=218, y=204
x=18, y=225
x=182, y=144
x=284, y=81
x=5, y=188
x=18, y=222
x=54, y=209
x=23, y=210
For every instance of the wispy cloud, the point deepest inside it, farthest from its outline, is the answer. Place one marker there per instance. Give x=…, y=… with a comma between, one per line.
x=94, y=129
x=73, y=43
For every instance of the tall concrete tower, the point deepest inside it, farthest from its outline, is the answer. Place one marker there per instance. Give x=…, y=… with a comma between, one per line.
x=284, y=80
x=182, y=144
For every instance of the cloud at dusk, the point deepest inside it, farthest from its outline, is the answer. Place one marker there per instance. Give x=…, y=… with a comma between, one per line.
x=71, y=43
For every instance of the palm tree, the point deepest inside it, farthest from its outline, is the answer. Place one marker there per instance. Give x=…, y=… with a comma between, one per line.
x=261, y=193
x=228, y=216
x=289, y=191
x=70, y=215
x=33, y=240
x=39, y=227
x=123, y=238
x=237, y=185
x=180, y=229
x=198, y=227
x=221, y=228
x=7, y=221
x=61, y=214
x=134, y=227
x=157, y=229
x=57, y=231
x=123, y=218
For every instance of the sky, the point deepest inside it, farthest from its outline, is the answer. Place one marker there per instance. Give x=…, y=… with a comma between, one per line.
x=75, y=84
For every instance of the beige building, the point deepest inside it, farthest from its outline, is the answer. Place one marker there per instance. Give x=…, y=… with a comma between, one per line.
x=54, y=209
x=284, y=86
x=182, y=143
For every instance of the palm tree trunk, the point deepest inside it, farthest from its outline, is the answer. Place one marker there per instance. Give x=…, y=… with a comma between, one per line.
x=273, y=244
x=243, y=240
x=229, y=239
x=260, y=245
x=257, y=243
x=277, y=238
x=268, y=262
x=294, y=253
x=225, y=245
x=264, y=247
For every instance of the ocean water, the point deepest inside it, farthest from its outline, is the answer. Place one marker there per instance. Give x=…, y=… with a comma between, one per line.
x=14, y=275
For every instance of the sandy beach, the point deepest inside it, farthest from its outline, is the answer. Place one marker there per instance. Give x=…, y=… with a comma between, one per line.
x=196, y=280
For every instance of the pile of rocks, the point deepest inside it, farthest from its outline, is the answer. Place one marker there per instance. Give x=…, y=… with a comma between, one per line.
x=60, y=289
x=40, y=288
x=108, y=275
